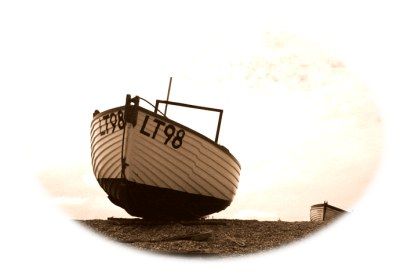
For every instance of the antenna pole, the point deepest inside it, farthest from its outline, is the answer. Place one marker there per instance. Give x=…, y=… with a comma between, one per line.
x=169, y=89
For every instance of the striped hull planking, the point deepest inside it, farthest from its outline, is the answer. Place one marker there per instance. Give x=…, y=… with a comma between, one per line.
x=324, y=212
x=317, y=213
x=154, y=167
x=106, y=145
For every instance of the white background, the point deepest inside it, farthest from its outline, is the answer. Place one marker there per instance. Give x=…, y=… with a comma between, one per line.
x=36, y=238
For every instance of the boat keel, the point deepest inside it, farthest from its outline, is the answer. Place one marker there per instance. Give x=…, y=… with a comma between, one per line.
x=151, y=202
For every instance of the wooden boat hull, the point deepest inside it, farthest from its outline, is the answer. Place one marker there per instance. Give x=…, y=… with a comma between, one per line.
x=151, y=202
x=154, y=167
x=325, y=212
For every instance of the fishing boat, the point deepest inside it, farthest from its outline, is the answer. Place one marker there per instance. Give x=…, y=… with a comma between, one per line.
x=325, y=212
x=156, y=168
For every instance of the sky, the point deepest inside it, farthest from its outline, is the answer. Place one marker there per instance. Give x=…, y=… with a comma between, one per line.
x=303, y=126
x=61, y=60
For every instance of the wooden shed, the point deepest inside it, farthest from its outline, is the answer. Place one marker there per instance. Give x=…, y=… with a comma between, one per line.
x=325, y=212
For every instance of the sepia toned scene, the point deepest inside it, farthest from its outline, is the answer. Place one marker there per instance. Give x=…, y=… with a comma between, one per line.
x=237, y=146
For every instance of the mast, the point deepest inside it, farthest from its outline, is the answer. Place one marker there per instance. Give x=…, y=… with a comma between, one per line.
x=169, y=89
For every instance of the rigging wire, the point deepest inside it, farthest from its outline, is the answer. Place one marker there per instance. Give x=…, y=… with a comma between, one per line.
x=152, y=105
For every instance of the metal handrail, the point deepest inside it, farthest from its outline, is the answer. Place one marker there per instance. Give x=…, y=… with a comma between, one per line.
x=194, y=107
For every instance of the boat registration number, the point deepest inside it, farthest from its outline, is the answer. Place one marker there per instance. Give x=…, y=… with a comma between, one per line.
x=171, y=133
x=109, y=123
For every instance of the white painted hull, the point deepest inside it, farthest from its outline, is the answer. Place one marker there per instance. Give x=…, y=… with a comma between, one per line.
x=106, y=149
x=176, y=163
x=324, y=212
x=198, y=166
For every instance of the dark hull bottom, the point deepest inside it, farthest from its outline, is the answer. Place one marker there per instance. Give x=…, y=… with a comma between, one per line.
x=151, y=202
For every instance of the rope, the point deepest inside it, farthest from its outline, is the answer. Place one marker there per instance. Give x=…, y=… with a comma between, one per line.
x=123, y=159
x=152, y=105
